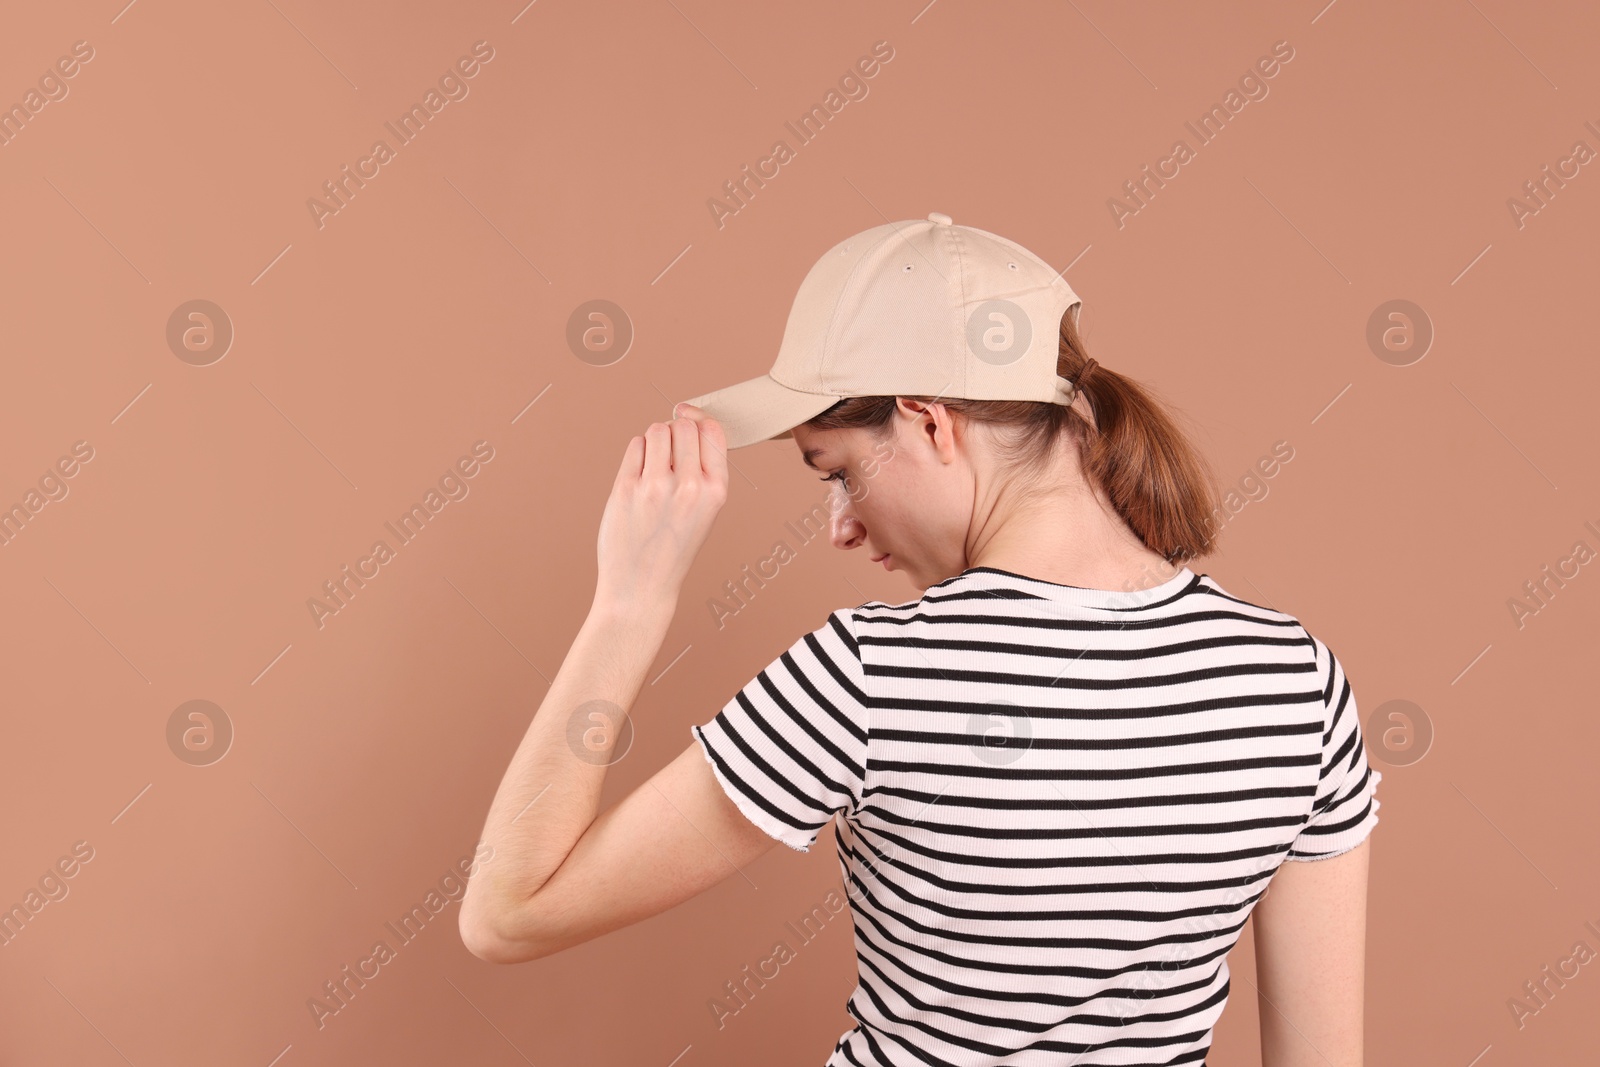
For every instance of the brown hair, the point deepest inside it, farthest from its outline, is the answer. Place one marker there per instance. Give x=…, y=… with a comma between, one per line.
x=1153, y=476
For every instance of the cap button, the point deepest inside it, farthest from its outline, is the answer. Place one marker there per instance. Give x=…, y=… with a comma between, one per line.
x=940, y=217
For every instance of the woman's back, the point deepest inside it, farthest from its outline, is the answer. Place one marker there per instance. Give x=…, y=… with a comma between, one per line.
x=1060, y=805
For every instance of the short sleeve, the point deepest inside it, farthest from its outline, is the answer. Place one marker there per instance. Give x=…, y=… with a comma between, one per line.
x=790, y=747
x=1346, y=808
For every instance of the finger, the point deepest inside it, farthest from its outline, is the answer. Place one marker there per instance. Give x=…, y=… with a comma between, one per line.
x=657, y=451
x=685, y=447
x=713, y=446
x=713, y=443
x=714, y=451
x=632, y=462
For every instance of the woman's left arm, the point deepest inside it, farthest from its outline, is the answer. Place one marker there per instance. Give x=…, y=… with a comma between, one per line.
x=561, y=872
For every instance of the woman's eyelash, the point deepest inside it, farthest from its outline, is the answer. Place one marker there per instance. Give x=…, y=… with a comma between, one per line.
x=835, y=476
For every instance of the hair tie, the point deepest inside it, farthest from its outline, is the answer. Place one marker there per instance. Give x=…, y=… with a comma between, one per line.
x=1067, y=389
x=1083, y=374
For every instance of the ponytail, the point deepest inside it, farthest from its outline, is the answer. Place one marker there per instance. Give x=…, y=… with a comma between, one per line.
x=1153, y=476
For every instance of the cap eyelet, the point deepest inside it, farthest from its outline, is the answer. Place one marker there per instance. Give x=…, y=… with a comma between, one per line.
x=907, y=266
x=1013, y=266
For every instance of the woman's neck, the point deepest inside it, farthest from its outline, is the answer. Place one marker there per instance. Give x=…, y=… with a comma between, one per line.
x=1072, y=538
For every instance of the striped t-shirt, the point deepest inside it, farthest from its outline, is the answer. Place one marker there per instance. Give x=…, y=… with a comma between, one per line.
x=1059, y=805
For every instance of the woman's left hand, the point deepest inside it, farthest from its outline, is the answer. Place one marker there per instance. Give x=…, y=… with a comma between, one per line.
x=671, y=485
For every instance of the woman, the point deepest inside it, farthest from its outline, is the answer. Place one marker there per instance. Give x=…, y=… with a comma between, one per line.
x=1067, y=773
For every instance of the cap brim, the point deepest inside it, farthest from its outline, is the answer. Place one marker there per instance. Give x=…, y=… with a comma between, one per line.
x=761, y=409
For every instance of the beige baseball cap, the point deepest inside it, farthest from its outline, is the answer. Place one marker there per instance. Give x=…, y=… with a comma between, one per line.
x=912, y=308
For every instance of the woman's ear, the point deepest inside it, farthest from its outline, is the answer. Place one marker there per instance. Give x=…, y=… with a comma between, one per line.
x=933, y=421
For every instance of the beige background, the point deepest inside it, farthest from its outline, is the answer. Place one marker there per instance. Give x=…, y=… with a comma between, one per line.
x=432, y=310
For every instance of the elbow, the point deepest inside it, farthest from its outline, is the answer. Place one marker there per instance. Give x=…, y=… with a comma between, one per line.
x=494, y=941
x=490, y=947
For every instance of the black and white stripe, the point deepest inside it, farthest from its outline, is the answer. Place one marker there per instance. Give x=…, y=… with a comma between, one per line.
x=1059, y=805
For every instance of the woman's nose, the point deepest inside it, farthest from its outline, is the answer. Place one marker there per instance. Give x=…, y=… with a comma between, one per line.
x=845, y=530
